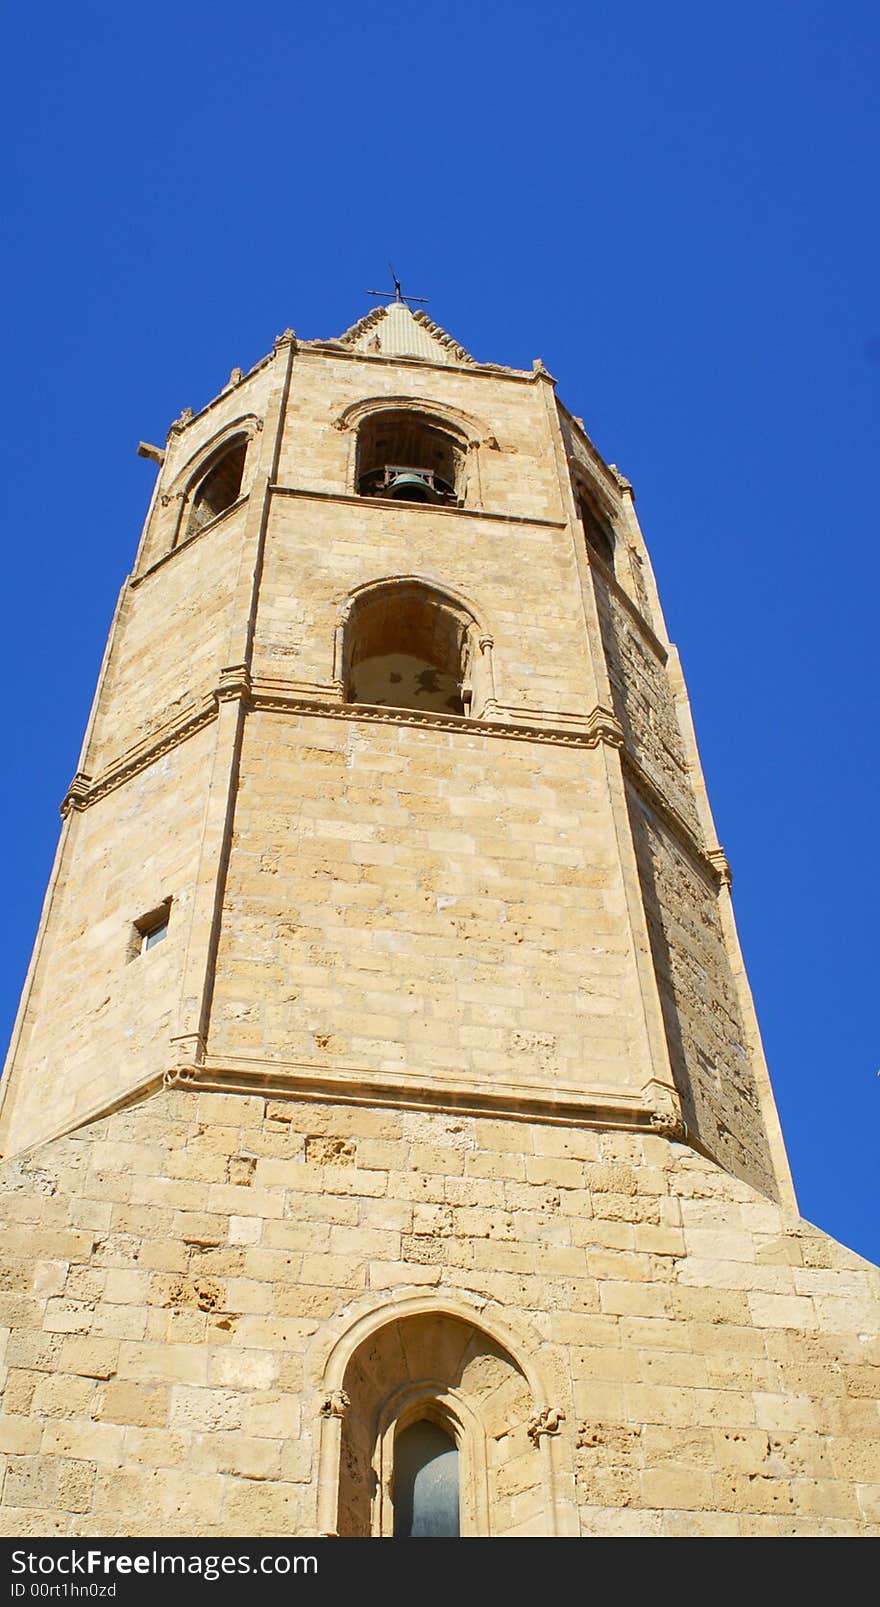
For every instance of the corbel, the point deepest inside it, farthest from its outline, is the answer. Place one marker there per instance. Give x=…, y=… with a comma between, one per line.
x=235, y=682
x=548, y=1421
x=77, y=794
x=721, y=866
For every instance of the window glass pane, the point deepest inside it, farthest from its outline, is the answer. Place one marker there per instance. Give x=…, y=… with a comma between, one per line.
x=425, y=1483
x=156, y=936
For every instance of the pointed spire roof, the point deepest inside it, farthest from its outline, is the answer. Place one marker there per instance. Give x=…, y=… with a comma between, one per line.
x=396, y=331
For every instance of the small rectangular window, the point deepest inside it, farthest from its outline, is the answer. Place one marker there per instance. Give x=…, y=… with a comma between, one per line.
x=154, y=936
x=149, y=929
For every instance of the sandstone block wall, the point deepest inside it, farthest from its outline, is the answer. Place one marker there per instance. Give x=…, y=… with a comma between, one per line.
x=441, y=905
x=701, y=1009
x=100, y=1015
x=175, y=1278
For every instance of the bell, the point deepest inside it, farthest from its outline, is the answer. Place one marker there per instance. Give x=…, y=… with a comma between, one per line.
x=410, y=487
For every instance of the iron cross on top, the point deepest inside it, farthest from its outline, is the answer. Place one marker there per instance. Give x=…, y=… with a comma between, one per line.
x=398, y=293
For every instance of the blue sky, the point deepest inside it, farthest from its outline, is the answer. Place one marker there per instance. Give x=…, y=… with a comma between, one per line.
x=675, y=207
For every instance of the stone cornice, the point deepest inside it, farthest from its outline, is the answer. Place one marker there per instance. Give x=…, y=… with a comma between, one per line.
x=599, y=726
x=331, y=348
x=473, y=1096
x=85, y=790
x=325, y=702
x=417, y=508
x=721, y=863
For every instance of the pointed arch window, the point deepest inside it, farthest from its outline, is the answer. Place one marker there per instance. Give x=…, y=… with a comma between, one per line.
x=219, y=486
x=425, y=1417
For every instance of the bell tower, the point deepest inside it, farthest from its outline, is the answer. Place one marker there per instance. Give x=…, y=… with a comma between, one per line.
x=387, y=1045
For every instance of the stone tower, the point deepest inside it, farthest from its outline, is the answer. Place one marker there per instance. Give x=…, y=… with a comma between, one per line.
x=386, y=1099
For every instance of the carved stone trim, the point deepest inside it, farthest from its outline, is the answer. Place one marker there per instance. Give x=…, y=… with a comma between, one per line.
x=548, y=1421
x=718, y=858
x=335, y=1404
x=235, y=682
x=660, y=805
x=179, y=424
x=622, y=481
x=519, y=1101
x=667, y=1124
x=382, y=504
x=78, y=794
x=599, y=726
x=83, y=791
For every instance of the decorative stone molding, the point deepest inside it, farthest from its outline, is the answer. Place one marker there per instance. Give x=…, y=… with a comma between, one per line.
x=380, y=505
x=668, y=1124
x=84, y=791
x=718, y=859
x=235, y=682
x=302, y=1080
x=179, y=424
x=78, y=794
x=603, y=726
x=335, y=1404
x=471, y=431
x=622, y=481
x=458, y=352
x=286, y=338
x=548, y=1421
x=180, y=1077
x=600, y=726
x=376, y=316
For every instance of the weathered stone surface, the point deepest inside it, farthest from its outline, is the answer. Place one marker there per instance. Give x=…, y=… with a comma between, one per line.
x=441, y=1093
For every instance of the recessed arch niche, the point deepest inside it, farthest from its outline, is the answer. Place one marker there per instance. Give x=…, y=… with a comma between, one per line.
x=441, y=1369
x=408, y=644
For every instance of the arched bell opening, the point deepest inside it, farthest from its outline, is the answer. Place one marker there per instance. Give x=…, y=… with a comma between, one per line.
x=408, y=457
x=219, y=487
x=408, y=645
x=597, y=530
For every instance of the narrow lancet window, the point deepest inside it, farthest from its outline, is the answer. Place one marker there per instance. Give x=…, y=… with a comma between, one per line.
x=425, y=1483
